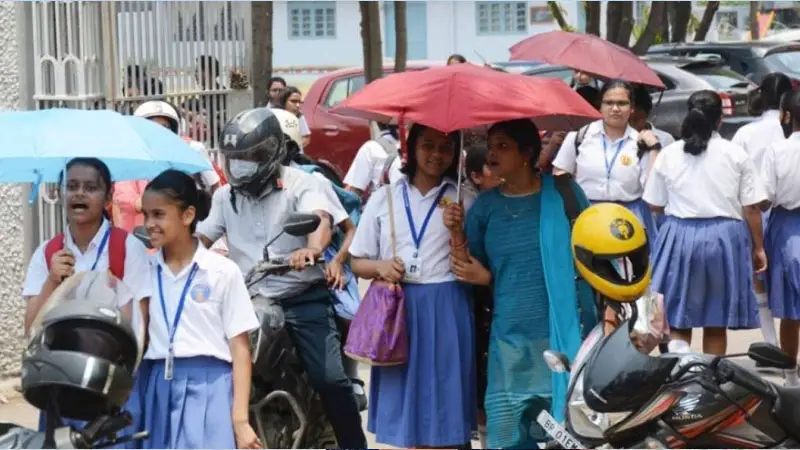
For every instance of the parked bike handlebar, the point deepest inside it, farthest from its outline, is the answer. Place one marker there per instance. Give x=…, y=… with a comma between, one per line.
x=728, y=371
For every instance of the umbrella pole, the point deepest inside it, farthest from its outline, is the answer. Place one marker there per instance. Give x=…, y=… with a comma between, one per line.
x=460, y=167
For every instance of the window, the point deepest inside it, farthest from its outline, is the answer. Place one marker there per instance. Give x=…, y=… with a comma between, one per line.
x=312, y=20
x=502, y=17
x=342, y=89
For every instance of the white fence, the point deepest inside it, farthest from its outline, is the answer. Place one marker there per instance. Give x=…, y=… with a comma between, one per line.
x=94, y=55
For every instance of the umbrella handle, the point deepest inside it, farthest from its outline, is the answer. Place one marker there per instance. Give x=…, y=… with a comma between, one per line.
x=460, y=167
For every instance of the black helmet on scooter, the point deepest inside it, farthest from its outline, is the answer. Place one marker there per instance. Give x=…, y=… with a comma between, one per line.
x=254, y=150
x=82, y=354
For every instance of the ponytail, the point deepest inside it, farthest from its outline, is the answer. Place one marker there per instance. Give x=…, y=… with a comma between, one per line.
x=769, y=93
x=705, y=112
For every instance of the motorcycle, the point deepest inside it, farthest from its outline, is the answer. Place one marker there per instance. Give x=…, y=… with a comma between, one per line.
x=620, y=397
x=285, y=411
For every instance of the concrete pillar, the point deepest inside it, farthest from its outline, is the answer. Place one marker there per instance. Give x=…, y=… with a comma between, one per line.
x=12, y=253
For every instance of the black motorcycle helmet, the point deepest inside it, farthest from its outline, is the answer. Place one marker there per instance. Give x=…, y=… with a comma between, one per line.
x=254, y=149
x=82, y=355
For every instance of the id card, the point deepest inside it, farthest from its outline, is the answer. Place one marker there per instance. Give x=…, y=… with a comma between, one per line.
x=413, y=270
x=169, y=363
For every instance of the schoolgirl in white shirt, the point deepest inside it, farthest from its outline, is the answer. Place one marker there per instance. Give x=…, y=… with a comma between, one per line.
x=198, y=385
x=781, y=172
x=88, y=244
x=711, y=193
x=755, y=138
x=430, y=401
x=608, y=164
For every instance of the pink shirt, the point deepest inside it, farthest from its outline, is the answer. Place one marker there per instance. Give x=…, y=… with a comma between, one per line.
x=126, y=193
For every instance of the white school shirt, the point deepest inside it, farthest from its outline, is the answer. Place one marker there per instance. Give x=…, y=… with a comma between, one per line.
x=217, y=307
x=756, y=136
x=781, y=172
x=136, y=263
x=716, y=183
x=373, y=239
x=259, y=220
x=367, y=166
x=628, y=173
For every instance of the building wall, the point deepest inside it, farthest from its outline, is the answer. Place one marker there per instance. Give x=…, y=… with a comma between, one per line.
x=451, y=28
x=12, y=264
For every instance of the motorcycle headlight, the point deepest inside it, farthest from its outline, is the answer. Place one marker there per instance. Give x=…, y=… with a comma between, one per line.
x=585, y=422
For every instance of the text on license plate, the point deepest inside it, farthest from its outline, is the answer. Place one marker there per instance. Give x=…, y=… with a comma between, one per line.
x=557, y=432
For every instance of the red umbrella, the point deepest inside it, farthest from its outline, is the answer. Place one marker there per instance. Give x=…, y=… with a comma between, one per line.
x=586, y=53
x=463, y=96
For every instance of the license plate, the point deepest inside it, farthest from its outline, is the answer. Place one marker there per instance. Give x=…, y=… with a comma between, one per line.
x=557, y=432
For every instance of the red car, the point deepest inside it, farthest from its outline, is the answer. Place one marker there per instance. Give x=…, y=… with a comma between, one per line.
x=336, y=138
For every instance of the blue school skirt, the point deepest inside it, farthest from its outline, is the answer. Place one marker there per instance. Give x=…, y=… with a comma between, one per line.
x=642, y=211
x=705, y=271
x=430, y=401
x=133, y=406
x=193, y=410
x=782, y=244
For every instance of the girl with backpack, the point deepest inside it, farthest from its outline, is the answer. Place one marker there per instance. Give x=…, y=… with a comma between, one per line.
x=90, y=243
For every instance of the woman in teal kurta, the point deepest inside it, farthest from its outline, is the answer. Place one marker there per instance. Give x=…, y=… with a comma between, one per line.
x=521, y=232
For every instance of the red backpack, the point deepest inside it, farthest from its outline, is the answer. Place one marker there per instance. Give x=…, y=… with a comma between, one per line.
x=116, y=250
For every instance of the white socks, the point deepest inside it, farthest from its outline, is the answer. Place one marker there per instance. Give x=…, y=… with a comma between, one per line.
x=678, y=346
x=767, y=321
x=482, y=436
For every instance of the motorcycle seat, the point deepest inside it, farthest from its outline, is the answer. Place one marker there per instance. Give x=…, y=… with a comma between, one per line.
x=787, y=409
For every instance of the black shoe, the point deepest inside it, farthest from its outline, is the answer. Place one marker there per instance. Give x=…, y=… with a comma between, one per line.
x=361, y=399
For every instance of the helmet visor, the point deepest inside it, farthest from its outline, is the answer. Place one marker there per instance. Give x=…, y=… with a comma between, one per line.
x=623, y=269
x=243, y=166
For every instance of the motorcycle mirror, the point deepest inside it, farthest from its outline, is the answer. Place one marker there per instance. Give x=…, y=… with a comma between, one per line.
x=141, y=234
x=556, y=361
x=301, y=224
x=770, y=355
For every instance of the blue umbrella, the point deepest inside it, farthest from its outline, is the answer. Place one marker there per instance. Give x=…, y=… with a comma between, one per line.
x=36, y=145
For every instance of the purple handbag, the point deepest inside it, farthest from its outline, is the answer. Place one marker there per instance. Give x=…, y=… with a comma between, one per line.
x=378, y=335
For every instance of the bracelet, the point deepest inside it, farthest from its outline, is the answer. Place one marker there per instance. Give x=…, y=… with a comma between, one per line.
x=459, y=246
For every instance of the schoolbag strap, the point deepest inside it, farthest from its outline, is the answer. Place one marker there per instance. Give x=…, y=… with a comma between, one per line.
x=52, y=247
x=571, y=206
x=579, y=136
x=116, y=251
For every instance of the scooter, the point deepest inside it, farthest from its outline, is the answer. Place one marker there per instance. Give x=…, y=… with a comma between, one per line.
x=285, y=411
x=619, y=397
x=99, y=433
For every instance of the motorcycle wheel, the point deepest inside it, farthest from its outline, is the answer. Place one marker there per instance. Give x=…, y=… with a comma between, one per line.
x=321, y=435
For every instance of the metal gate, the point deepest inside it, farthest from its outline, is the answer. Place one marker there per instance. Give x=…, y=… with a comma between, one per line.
x=115, y=55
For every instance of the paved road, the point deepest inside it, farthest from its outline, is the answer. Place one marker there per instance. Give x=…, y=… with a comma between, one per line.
x=20, y=412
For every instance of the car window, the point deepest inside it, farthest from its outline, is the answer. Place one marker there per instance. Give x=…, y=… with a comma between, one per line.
x=784, y=61
x=564, y=75
x=337, y=93
x=720, y=78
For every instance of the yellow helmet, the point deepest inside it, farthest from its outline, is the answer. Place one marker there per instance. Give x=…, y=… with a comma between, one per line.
x=610, y=248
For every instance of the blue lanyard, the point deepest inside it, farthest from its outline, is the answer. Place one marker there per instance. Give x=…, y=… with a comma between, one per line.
x=610, y=165
x=101, y=248
x=418, y=237
x=171, y=330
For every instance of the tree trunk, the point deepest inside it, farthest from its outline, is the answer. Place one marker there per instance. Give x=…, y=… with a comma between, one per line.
x=626, y=25
x=613, y=20
x=400, y=36
x=705, y=22
x=593, y=11
x=558, y=15
x=658, y=15
x=371, y=40
x=680, y=20
x=261, y=63
x=755, y=30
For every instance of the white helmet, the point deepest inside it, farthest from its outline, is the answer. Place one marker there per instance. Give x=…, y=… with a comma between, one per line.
x=158, y=108
x=290, y=125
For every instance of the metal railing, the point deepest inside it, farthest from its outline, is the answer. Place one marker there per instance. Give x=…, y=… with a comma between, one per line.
x=116, y=55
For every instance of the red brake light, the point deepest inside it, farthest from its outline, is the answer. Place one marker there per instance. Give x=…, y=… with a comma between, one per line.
x=727, y=104
x=795, y=83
